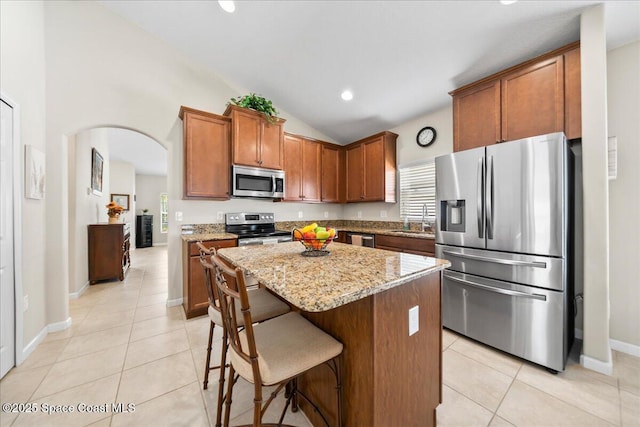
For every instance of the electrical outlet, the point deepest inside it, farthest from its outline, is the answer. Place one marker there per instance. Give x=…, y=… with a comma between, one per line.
x=300, y=214
x=359, y=214
x=178, y=216
x=383, y=214
x=220, y=216
x=326, y=214
x=25, y=303
x=414, y=320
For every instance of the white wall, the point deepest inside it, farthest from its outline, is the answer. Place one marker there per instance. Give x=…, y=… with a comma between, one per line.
x=596, y=353
x=148, y=190
x=408, y=152
x=84, y=207
x=22, y=78
x=623, y=86
x=122, y=180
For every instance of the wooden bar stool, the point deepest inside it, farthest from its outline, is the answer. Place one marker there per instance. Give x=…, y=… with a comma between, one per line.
x=274, y=352
x=266, y=305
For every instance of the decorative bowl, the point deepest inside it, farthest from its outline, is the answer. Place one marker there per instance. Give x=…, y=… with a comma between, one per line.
x=312, y=247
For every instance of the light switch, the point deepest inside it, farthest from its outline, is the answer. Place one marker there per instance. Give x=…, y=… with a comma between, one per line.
x=414, y=320
x=178, y=216
x=300, y=214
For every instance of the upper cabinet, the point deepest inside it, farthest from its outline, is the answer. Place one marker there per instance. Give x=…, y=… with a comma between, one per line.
x=537, y=97
x=302, y=167
x=255, y=141
x=206, y=138
x=333, y=173
x=371, y=169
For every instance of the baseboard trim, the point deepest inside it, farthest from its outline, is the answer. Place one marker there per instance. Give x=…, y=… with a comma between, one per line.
x=596, y=364
x=78, y=294
x=621, y=346
x=174, y=302
x=625, y=347
x=59, y=326
x=33, y=344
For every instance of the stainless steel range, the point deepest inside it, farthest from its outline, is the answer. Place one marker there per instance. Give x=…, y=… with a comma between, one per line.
x=255, y=228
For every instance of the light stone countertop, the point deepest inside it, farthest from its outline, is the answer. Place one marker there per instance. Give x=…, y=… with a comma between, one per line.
x=196, y=237
x=316, y=284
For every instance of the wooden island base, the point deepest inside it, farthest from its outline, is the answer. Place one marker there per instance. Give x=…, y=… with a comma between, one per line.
x=388, y=377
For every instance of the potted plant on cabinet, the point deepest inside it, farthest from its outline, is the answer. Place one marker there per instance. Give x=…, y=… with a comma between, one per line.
x=257, y=103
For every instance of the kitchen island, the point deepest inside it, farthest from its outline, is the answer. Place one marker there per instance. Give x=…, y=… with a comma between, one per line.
x=362, y=297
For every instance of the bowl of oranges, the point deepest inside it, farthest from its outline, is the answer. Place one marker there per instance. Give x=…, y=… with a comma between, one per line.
x=314, y=238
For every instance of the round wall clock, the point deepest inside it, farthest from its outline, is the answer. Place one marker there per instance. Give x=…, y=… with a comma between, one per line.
x=426, y=136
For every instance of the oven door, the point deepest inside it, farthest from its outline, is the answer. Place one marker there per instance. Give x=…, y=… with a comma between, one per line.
x=257, y=182
x=273, y=240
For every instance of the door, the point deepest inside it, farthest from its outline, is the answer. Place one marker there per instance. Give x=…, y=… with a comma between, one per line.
x=533, y=100
x=355, y=174
x=526, y=196
x=293, y=167
x=311, y=158
x=476, y=116
x=525, y=321
x=460, y=198
x=7, y=302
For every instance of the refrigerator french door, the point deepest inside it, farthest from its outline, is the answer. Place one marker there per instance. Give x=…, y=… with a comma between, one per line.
x=503, y=223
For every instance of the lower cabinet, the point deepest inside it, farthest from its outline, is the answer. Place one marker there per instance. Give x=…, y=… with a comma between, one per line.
x=195, y=299
x=410, y=245
x=108, y=251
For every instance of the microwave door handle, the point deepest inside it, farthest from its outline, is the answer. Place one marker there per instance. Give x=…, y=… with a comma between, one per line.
x=273, y=183
x=480, y=198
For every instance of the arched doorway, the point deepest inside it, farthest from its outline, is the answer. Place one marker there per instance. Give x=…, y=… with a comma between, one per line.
x=134, y=173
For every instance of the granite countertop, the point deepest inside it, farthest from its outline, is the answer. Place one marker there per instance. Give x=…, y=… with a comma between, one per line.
x=393, y=232
x=196, y=237
x=316, y=284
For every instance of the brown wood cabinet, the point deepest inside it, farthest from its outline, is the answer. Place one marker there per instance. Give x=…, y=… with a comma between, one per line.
x=411, y=245
x=302, y=167
x=333, y=173
x=371, y=169
x=255, y=141
x=572, y=94
x=207, y=163
x=108, y=251
x=195, y=299
x=533, y=98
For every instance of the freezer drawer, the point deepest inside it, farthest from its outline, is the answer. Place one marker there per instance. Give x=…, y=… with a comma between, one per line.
x=528, y=323
x=538, y=271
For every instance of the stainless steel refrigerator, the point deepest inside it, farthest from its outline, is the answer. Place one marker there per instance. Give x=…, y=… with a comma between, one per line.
x=504, y=223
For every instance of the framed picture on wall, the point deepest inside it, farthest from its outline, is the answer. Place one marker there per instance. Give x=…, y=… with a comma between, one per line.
x=121, y=199
x=97, y=164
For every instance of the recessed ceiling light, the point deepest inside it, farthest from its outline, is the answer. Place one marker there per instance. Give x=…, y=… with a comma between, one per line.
x=507, y=2
x=347, y=95
x=227, y=5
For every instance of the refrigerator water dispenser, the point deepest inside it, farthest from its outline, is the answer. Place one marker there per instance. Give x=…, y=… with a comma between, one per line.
x=452, y=214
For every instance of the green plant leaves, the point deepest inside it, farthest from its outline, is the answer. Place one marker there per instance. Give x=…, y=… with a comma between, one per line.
x=257, y=103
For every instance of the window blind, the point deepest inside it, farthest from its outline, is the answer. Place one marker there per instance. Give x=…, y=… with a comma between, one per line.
x=417, y=188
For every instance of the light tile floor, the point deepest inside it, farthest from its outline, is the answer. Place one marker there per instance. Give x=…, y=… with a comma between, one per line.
x=126, y=346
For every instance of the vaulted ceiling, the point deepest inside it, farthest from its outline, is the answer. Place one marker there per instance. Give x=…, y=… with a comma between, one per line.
x=400, y=58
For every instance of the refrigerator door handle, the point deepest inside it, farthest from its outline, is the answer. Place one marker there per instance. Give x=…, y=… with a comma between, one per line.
x=514, y=262
x=489, y=199
x=480, y=198
x=497, y=290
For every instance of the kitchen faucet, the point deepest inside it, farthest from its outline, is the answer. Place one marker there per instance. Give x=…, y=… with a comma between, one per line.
x=424, y=216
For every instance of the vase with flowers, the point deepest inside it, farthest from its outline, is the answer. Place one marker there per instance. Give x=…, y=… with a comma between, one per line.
x=114, y=210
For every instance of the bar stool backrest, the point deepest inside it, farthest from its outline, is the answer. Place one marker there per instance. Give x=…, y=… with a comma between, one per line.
x=232, y=290
x=212, y=292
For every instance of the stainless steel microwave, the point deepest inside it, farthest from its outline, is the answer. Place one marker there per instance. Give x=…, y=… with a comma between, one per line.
x=257, y=182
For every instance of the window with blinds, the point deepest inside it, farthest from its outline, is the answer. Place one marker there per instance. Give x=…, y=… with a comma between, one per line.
x=417, y=188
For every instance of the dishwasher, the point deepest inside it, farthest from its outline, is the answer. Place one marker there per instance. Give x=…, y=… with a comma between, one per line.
x=366, y=239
